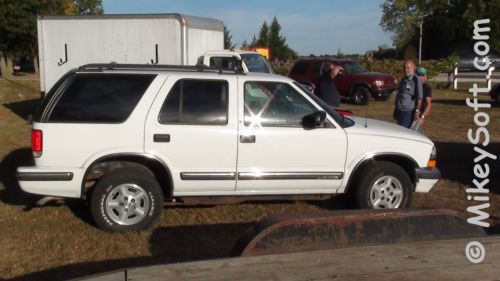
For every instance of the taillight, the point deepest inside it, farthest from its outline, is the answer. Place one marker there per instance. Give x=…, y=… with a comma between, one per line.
x=37, y=142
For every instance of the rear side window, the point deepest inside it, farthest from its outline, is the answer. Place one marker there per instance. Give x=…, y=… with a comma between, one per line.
x=100, y=98
x=197, y=102
x=299, y=68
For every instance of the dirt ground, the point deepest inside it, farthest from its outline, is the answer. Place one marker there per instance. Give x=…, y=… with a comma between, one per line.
x=60, y=241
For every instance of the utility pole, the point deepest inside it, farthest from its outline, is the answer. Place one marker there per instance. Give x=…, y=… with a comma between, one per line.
x=420, y=43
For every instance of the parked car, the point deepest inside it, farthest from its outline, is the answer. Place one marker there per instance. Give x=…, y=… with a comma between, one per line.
x=355, y=83
x=128, y=137
x=23, y=64
x=467, y=57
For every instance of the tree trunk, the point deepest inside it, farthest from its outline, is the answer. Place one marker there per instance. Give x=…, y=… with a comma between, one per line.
x=3, y=67
x=6, y=67
x=36, y=66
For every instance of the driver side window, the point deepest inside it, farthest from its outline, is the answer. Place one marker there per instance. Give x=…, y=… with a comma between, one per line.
x=274, y=104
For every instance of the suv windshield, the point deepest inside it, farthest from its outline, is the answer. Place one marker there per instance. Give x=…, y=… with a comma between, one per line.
x=353, y=67
x=256, y=63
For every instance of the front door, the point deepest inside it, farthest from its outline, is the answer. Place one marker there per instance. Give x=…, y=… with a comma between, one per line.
x=276, y=154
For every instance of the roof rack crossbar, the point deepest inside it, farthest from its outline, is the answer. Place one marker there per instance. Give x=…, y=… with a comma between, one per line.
x=119, y=66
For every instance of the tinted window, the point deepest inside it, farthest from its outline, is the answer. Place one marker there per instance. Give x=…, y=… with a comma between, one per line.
x=201, y=102
x=100, y=98
x=222, y=62
x=274, y=104
x=353, y=67
x=299, y=67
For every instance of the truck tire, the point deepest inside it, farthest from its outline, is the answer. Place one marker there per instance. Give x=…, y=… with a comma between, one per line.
x=383, y=185
x=126, y=199
x=360, y=95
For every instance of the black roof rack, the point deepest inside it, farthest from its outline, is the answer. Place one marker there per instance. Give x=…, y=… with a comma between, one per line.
x=166, y=67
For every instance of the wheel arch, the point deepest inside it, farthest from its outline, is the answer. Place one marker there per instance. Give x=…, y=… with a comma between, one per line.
x=404, y=161
x=110, y=162
x=359, y=84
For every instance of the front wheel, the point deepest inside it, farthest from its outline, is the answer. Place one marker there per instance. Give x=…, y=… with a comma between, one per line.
x=126, y=199
x=360, y=95
x=383, y=185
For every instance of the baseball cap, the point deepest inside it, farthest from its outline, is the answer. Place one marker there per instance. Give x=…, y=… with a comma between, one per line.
x=421, y=71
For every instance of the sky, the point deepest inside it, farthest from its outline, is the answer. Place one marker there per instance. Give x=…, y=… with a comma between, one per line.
x=310, y=27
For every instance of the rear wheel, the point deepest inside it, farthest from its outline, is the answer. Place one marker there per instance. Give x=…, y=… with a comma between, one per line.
x=126, y=199
x=383, y=185
x=360, y=95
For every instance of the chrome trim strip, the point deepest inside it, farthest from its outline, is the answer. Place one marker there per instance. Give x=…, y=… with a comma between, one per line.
x=44, y=176
x=208, y=176
x=290, y=176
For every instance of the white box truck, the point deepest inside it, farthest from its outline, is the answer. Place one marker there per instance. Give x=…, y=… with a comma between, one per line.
x=67, y=42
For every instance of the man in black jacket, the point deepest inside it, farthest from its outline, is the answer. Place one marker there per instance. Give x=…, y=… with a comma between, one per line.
x=326, y=89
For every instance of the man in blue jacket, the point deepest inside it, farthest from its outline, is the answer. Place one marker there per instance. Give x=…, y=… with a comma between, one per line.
x=409, y=96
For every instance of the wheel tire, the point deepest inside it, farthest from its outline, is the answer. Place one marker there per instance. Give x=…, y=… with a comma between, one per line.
x=384, y=181
x=360, y=95
x=126, y=199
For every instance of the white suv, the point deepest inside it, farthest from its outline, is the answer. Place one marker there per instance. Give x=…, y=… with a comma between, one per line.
x=128, y=137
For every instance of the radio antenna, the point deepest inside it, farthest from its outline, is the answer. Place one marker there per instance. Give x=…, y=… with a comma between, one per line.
x=366, y=115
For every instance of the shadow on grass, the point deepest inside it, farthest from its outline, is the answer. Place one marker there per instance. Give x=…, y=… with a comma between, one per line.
x=23, y=108
x=167, y=245
x=460, y=102
x=13, y=81
x=12, y=193
x=456, y=163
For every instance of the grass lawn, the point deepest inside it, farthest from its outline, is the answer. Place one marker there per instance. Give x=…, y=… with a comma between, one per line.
x=59, y=241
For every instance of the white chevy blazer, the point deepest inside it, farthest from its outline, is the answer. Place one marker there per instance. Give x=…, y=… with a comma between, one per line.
x=129, y=137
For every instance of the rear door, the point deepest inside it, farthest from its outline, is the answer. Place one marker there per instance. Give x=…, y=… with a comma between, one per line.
x=192, y=128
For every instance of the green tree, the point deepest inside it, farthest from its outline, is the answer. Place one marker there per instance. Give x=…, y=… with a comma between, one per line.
x=244, y=45
x=277, y=43
x=447, y=25
x=263, y=39
x=228, y=44
x=18, y=32
x=87, y=7
x=254, y=42
x=484, y=9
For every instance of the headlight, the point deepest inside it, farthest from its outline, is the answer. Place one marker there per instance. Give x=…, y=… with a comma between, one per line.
x=378, y=83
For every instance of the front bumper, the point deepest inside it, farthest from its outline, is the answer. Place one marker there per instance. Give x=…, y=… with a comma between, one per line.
x=62, y=182
x=426, y=179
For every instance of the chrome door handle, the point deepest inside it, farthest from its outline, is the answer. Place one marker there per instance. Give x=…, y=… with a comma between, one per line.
x=247, y=139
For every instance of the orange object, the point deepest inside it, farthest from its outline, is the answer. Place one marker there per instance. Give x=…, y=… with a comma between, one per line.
x=431, y=163
x=263, y=51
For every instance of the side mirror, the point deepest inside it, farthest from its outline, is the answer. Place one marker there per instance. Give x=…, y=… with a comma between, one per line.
x=314, y=120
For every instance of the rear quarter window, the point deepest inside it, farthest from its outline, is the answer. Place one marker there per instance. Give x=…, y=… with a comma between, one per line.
x=100, y=98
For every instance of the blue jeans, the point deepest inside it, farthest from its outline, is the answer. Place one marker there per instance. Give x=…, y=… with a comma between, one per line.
x=405, y=118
